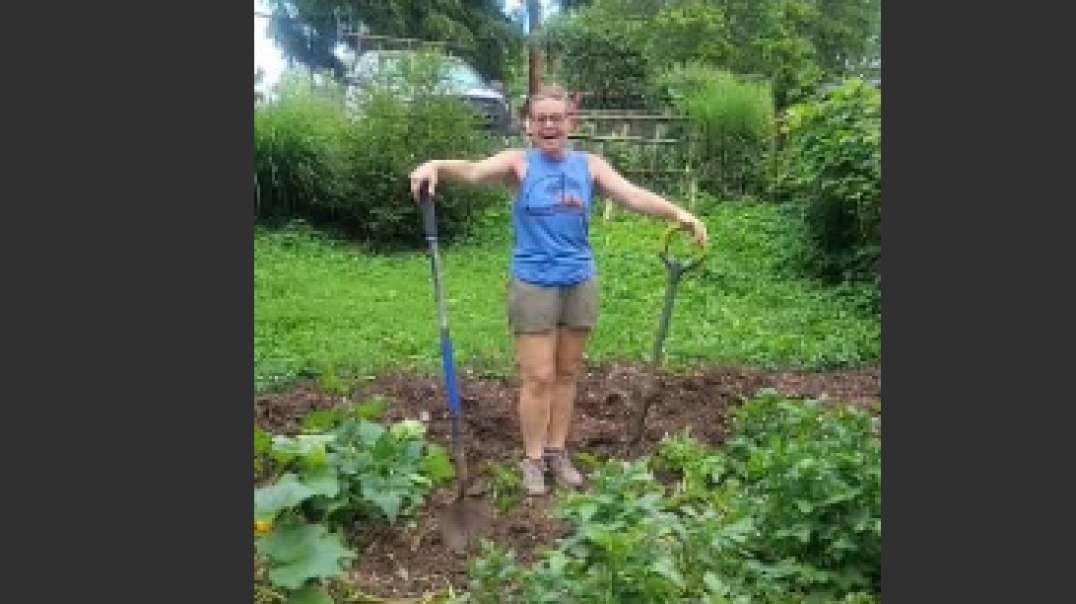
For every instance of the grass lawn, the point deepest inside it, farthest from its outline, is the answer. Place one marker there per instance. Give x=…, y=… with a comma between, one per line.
x=324, y=308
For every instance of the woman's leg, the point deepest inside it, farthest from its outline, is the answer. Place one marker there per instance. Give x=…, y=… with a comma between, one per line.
x=536, y=355
x=578, y=317
x=569, y=363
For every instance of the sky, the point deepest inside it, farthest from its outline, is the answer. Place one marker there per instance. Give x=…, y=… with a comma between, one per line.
x=268, y=57
x=266, y=54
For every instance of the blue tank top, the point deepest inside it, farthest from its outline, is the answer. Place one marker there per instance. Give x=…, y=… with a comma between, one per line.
x=551, y=221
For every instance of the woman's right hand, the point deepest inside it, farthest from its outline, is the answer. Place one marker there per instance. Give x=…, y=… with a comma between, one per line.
x=424, y=176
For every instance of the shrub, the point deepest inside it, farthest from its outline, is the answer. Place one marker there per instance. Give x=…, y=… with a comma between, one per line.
x=833, y=163
x=812, y=479
x=399, y=126
x=318, y=160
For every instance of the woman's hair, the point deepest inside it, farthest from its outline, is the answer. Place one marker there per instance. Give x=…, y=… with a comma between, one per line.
x=550, y=91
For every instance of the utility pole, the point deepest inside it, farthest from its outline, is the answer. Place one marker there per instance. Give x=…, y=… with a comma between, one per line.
x=534, y=14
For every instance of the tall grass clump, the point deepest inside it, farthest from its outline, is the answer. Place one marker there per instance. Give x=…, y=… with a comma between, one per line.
x=299, y=161
x=733, y=127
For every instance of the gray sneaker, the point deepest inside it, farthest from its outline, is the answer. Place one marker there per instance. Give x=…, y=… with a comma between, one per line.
x=563, y=471
x=533, y=476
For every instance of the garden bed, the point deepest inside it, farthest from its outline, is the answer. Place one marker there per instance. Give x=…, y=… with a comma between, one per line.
x=410, y=560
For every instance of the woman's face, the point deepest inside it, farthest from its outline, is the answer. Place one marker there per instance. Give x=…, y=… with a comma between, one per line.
x=549, y=125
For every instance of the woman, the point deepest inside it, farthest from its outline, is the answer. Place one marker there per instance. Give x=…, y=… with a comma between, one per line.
x=553, y=293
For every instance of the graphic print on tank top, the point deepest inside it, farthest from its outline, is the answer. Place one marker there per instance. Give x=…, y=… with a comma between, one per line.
x=554, y=194
x=551, y=222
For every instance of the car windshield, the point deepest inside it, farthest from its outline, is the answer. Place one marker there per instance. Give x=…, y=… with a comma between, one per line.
x=459, y=77
x=371, y=64
x=462, y=77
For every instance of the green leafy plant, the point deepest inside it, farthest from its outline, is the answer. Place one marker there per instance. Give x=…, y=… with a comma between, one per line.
x=691, y=31
x=623, y=544
x=788, y=512
x=330, y=381
x=494, y=576
x=324, y=420
x=386, y=467
x=262, y=445
x=594, y=52
x=587, y=461
x=812, y=476
x=699, y=468
x=506, y=486
x=618, y=46
x=360, y=471
x=303, y=554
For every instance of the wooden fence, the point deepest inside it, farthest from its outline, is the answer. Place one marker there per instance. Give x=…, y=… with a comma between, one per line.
x=650, y=149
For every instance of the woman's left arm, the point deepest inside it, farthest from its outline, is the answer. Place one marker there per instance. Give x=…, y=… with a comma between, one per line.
x=611, y=184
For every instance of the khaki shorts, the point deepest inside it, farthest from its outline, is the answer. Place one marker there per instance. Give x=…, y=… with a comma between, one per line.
x=537, y=309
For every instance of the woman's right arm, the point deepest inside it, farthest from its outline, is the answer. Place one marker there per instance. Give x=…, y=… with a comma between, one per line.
x=499, y=169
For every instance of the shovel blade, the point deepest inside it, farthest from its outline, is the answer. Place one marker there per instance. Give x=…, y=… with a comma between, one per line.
x=463, y=522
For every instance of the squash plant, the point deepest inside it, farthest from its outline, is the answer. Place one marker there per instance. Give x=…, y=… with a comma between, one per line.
x=359, y=471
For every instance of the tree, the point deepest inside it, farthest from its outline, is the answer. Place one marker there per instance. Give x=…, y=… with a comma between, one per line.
x=308, y=30
x=796, y=44
x=843, y=32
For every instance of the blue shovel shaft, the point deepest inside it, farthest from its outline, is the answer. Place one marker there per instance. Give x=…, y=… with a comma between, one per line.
x=448, y=362
x=448, y=356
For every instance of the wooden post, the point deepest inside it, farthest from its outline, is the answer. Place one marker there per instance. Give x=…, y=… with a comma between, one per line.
x=534, y=14
x=608, y=211
x=692, y=188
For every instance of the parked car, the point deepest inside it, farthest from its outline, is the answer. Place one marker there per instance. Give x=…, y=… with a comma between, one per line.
x=460, y=80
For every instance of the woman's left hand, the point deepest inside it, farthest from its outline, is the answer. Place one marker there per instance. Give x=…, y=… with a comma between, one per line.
x=688, y=222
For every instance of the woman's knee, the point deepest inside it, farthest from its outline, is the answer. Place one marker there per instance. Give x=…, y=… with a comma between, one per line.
x=568, y=374
x=539, y=378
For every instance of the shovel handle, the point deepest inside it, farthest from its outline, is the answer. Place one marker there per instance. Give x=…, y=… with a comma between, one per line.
x=429, y=220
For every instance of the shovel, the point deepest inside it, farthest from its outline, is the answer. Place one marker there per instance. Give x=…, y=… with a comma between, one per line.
x=465, y=519
x=676, y=269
